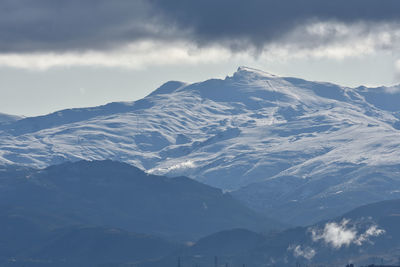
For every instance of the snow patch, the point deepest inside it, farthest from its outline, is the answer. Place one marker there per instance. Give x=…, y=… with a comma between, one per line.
x=180, y=166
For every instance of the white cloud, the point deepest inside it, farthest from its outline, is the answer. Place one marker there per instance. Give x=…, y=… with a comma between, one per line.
x=136, y=55
x=329, y=40
x=336, y=235
x=342, y=234
x=372, y=231
x=335, y=40
x=306, y=252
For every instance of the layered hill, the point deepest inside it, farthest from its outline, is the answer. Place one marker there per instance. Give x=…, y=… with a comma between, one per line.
x=81, y=246
x=113, y=194
x=364, y=236
x=297, y=150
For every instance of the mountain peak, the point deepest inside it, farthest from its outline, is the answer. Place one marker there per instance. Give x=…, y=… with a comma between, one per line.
x=243, y=70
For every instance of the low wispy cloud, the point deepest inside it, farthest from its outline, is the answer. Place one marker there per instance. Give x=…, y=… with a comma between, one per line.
x=306, y=252
x=149, y=53
x=138, y=55
x=344, y=234
x=339, y=40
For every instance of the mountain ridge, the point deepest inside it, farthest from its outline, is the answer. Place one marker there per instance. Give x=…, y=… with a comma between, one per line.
x=109, y=193
x=7, y=118
x=310, y=141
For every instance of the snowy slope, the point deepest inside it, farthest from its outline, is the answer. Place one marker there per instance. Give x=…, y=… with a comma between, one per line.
x=5, y=118
x=270, y=136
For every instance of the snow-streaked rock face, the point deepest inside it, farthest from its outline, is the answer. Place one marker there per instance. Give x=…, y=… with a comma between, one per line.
x=285, y=140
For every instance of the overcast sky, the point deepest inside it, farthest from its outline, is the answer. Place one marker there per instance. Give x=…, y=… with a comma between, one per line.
x=57, y=54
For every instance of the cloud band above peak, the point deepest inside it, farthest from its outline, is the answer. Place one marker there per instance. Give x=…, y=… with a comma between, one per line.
x=47, y=25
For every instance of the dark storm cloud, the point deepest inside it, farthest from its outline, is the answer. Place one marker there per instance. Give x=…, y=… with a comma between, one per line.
x=29, y=25
x=37, y=25
x=261, y=21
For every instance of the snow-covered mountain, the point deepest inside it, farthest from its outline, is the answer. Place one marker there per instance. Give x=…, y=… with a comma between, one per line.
x=283, y=143
x=4, y=118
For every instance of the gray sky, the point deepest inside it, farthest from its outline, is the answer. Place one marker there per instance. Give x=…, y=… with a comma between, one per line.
x=63, y=54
